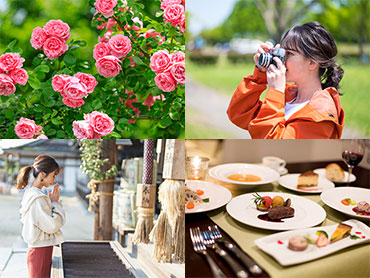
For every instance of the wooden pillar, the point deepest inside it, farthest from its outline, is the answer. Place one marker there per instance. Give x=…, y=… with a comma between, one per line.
x=105, y=230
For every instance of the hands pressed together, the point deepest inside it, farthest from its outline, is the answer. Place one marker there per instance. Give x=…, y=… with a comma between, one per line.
x=55, y=193
x=275, y=75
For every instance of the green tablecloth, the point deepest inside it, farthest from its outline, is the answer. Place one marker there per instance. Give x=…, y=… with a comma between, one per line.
x=351, y=262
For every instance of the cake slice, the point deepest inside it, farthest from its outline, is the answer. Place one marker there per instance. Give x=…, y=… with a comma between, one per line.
x=342, y=231
x=334, y=172
x=308, y=179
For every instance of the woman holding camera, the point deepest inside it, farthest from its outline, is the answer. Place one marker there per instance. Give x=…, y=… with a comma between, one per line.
x=308, y=109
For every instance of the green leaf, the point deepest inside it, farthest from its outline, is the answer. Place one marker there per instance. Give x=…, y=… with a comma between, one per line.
x=165, y=122
x=34, y=82
x=159, y=14
x=40, y=75
x=41, y=68
x=80, y=43
x=51, y=132
x=38, y=108
x=115, y=135
x=46, y=116
x=61, y=134
x=9, y=114
x=56, y=122
x=36, y=61
x=122, y=122
x=50, y=103
x=97, y=104
x=137, y=60
x=126, y=63
x=18, y=50
x=69, y=59
x=12, y=44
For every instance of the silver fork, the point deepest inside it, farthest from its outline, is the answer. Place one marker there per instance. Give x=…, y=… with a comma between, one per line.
x=199, y=247
x=234, y=265
x=252, y=266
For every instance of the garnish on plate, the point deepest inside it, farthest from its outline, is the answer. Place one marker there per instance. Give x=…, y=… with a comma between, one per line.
x=276, y=207
x=192, y=198
x=348, y=201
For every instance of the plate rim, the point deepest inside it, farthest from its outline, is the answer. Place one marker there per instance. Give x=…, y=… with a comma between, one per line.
x=339, y=210
x=302, y=191
x=244, y=183
x=227, y=190
x=278, y=228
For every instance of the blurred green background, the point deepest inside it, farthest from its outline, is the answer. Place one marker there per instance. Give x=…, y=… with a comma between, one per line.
x=218, y=56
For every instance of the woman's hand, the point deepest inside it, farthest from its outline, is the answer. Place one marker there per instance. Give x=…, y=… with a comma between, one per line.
x=55, y=194
x=264, y=48
x=276, y=76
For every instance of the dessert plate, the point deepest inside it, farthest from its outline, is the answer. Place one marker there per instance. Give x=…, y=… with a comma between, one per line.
x=321, y=173
x=217, y=194
x=307, y=213
x=222, y=172
x=333, y=198
x=290, y=182
x=276, y=244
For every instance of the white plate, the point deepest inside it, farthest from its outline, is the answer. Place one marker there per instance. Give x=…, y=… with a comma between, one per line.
x=285, y=256
x=333, y=198
x=307, y=213
x=221, y=172
x=290, y=181
x=321, y=173
x=217, y=194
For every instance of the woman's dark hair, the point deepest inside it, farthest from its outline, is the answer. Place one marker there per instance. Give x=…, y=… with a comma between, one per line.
x=43, y=163
x=313, y=41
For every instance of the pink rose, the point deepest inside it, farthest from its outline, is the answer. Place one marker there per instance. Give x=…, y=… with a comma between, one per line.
x=101, y=50
x=26, y=128
x=165, y=82
x=7, y=86
x=178, y=72
x=10, y=61
x=151, y=33
x=38, y=38
x=177, y=57
x=101, y=122
x=174, y=14
x=70, y=102
x=151, y=99
x=134, y=26
x=120, y=45
x=88, y=80
x=59, y=81
x=57, y=28
x=83, y=130
x=108, y=66
x=182, y=24
x=105, y=7
x=160, y=61
x=19, y=76
x=111, y=23
x=166, y=3
x=106, y=36
x=54, y=47
x=42, y=136
x=75, y=89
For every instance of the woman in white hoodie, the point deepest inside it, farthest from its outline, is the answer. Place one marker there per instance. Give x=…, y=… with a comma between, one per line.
x=42, y=216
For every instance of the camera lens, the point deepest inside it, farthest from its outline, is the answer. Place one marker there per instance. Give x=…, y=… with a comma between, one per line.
x=265, y=60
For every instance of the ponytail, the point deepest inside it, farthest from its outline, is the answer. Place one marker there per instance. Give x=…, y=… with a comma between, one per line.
x=331, y=76
x=23, y=177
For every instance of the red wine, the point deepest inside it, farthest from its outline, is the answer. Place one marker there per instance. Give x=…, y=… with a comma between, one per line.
x=352, y=158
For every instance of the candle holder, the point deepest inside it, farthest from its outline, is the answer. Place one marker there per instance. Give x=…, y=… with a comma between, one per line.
x=196, y=167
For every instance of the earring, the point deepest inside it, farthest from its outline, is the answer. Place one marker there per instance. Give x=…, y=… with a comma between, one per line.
x=42, y=179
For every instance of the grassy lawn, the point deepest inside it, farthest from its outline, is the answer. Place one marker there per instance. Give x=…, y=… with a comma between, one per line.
x=225, y=77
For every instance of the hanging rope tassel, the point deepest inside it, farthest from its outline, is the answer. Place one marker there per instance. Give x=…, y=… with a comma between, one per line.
x=144, y=225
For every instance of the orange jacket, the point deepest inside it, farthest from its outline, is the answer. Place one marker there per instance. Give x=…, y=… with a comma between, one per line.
x=321, y=118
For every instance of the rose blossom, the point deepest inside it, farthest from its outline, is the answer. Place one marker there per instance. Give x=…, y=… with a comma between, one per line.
x=178, y=72
x=88, y=80
x=105, y=7
x=42, y=136
x=151, y=99
x=19, y=76
x=10, y=61
x=166, y=3
x=59, y=81
x=26, y=128
x=7, y=86
x=38, y=38
x=134, y=26
x=173, y=14
x=108, y=66
x=100, y=50
x=83, y=130
x=182, y=24
x=165, y=82
x=70, y=102
x=120, y=45
x=75, y=89
x=177, y=57
x=160, y=61
x=54, y=47
x=100, y=122
x=151, y=33
x=57, y=28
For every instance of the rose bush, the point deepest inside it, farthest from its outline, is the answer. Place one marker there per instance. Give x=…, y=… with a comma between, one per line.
x=134, y=90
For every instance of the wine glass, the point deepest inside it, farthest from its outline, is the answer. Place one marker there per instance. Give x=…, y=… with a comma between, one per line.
x=353, y=152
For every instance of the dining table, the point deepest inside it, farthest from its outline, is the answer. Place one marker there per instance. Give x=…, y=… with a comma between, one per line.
x=353, y=261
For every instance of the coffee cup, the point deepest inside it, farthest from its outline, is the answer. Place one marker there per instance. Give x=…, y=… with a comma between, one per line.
x=274, y=162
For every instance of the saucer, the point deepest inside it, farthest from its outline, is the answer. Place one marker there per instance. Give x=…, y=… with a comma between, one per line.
x=283, y=171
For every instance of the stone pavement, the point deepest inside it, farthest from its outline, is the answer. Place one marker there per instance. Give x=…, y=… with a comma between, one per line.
x=79, y=226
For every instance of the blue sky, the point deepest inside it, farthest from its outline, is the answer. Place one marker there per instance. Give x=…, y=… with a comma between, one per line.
x=206, y=14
